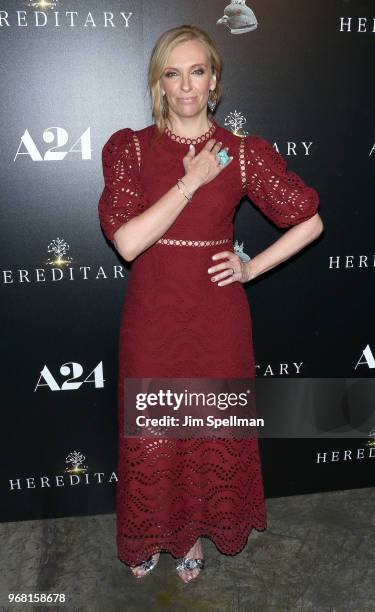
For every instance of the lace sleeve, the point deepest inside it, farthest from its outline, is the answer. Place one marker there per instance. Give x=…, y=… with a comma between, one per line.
x=279, y=193
x=122, y=197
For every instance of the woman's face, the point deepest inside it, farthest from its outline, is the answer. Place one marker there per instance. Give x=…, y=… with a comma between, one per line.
x=187, y=79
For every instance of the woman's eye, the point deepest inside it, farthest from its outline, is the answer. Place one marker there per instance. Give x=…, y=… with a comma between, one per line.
x=200, y=70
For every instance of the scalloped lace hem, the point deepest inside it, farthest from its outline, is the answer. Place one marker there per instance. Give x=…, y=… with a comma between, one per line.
x=179, y=551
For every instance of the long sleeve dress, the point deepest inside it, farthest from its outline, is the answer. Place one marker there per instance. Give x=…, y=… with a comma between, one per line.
x=177, y=323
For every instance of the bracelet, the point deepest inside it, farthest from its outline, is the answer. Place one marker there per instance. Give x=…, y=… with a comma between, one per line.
x=189, y=196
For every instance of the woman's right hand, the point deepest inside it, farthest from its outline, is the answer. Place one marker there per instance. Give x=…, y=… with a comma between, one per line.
x=202, y=168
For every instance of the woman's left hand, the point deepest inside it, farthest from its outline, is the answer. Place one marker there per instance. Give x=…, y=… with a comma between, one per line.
x=241, y=270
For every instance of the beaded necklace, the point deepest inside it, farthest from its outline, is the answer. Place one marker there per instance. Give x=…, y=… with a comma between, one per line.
x=193, y=141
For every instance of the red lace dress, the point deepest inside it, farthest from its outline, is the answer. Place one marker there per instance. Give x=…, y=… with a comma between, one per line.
x=177, y=323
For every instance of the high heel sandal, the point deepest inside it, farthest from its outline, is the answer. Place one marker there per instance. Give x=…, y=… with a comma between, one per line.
x=183, y=564
x=147, y=566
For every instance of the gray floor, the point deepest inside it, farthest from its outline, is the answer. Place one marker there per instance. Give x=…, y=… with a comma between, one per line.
x=317, y=554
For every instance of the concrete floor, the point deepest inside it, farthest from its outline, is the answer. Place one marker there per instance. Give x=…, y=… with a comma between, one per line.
x=317, y=554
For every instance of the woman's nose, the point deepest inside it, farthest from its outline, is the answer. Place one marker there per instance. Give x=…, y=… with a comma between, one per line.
x=185, y=83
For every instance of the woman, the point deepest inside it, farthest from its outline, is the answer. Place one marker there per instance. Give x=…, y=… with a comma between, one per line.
x=168, y=207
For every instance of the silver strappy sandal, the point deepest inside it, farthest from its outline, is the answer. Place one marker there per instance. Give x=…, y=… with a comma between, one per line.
x=147, y=566
x=183, y=564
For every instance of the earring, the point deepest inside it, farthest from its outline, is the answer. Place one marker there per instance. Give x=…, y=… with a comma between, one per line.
x=211, y=101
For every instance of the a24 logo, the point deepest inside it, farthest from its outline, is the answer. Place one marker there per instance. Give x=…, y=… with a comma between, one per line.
x=74, y=371
x=60, y=138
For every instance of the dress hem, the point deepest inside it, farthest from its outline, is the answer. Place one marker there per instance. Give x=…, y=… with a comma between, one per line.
x=178, y=552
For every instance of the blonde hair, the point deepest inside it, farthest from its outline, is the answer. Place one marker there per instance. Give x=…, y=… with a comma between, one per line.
x=159, y=55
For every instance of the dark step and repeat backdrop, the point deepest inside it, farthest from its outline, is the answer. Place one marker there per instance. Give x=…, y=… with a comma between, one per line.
x=298, y=73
